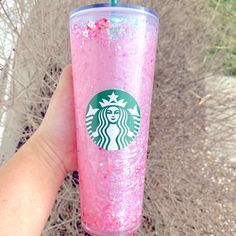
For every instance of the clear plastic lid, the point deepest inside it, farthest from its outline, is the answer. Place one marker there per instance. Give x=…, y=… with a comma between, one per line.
x=110, y=6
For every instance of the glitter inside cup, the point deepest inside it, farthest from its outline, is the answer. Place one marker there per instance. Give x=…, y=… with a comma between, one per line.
x=112, y=50
x=113, y=29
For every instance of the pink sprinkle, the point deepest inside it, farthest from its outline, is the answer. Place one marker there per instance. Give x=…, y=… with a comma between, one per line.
x=75, y=26
x=102, y=24
x=91, y=31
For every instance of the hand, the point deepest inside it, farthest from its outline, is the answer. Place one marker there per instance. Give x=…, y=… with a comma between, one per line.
x=30, y=180
x=56, y=136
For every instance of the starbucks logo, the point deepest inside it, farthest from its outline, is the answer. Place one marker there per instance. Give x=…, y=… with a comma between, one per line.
x=113, y=119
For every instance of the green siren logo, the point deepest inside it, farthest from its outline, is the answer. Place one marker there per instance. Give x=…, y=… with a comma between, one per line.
x=113, y=119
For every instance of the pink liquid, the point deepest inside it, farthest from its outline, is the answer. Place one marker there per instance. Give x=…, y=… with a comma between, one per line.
x=112, y=182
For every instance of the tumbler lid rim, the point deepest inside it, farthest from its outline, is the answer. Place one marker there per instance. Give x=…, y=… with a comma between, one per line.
x=117, y=5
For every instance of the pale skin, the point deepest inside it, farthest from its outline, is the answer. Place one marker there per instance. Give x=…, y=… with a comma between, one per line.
x=30, y=180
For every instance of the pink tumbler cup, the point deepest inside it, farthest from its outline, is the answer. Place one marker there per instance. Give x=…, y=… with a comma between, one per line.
x=113, y=56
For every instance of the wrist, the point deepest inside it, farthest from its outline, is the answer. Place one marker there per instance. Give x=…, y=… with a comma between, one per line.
x=39, y=148
x=29, y=180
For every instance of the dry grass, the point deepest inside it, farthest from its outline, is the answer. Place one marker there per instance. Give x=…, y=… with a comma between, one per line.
x=190, y=179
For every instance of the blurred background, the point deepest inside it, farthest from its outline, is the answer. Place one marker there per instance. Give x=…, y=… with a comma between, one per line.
x=191, y=175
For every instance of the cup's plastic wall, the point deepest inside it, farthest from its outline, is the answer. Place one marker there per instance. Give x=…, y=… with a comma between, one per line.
x=113, y=56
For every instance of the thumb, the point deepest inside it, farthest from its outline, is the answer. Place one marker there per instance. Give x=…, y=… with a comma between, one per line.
x=65, y=85
x=58, y=127
x=61, y=107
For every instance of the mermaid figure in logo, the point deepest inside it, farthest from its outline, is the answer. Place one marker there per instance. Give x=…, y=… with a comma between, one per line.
x=113, y=132
x=113, y=129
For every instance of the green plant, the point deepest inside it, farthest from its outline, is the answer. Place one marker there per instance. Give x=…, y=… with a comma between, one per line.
x=223, y=26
